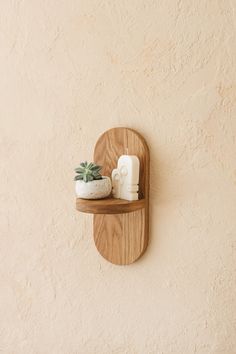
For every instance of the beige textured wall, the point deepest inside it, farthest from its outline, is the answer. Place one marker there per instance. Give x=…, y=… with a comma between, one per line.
x=70, y=70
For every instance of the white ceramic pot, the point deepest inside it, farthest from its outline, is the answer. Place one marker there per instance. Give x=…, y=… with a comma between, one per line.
x=96, y=189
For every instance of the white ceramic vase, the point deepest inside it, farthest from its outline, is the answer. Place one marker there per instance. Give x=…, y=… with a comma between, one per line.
x=96, y=189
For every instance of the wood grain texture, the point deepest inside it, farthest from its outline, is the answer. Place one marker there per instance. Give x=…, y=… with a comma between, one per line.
x=109, y=205
x=123, y=238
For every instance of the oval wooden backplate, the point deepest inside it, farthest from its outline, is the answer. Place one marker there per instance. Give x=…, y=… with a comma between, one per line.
x=122, y=238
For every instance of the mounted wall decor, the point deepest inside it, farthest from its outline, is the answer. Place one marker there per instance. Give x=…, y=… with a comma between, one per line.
x=120, y=226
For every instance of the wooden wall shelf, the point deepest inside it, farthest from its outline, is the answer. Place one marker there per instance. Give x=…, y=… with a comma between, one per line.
x=109, y=206
x=120, y=227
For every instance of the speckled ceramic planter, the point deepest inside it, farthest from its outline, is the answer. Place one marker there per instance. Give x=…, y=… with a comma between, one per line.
x=96, y=189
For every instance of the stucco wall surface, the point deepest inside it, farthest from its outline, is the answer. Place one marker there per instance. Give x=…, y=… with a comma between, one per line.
x=69, y=70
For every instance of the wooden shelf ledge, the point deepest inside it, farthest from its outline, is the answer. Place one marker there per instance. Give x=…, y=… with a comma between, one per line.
x=109, y=206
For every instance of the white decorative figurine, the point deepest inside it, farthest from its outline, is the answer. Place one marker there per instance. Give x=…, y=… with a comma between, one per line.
x=125, y=178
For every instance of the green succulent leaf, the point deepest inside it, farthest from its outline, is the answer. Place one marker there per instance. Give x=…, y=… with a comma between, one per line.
x=96, y=168
x=90, y=165
x=98, y=177
x=79, y=170
x=78, y=177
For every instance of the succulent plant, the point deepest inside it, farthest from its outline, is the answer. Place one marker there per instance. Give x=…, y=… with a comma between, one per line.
x=88, y=172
